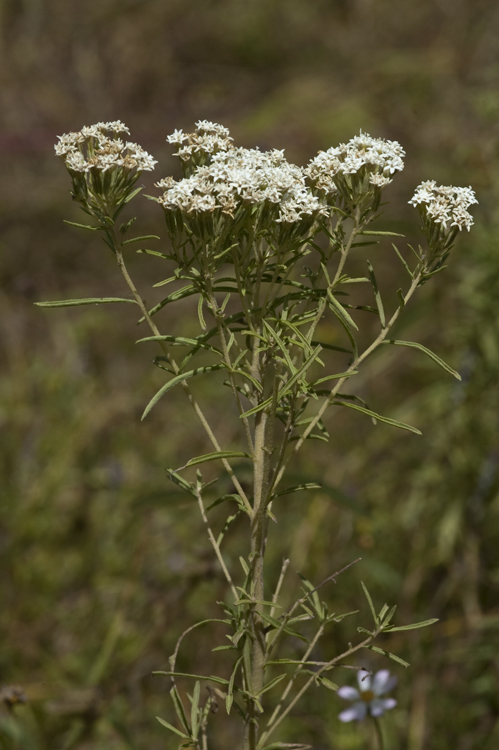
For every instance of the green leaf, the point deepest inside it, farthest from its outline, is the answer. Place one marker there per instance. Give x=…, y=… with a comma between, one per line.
x=139, y=239
x=403, y=261
x=340, y=311
x=257, y=408
x=194, y=709
x=337, y=376
x=327, y=683
x=175, y=381
x=181, y=341
x=271, y=684
x=377, y=295
x=381, y=234
x=210, y=678
x=387, y=653
x=370, y=602
x=215, y=457
x=415, y=625
x=378, y=417
x=428, y=353
x=298, y=488
x=173, y=729
x=230, y=690
x=179, y=708
x=87, y=301
x=82, y=226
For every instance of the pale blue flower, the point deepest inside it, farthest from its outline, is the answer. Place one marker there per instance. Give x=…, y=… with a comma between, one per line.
x=367, y=700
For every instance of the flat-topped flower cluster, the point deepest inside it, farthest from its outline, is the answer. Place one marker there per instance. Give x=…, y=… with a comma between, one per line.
x=378, y=158
x=240, y=176
x=98, y=147
x=445, y=205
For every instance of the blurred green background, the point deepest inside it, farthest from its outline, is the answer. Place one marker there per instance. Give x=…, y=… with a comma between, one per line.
x=101, y=565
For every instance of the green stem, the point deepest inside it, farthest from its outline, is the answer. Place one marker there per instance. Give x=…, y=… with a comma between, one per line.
x=380, y=745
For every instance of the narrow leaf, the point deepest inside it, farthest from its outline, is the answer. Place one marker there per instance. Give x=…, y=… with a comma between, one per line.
x=370, y=602
x=175, y=381
x=215, y=457
x=382, y=234
x=377, y=295
x=387, y=653
x=415, y=625
x=340, y=311
x=82, y=226
x=298, y=488
x=194, y=709
x=428, y=352
x=173, y=729
x=87, y=301
x=378, y=417
x=139, y=239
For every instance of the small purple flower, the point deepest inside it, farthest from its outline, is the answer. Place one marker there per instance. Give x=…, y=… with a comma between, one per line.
x=367, y=698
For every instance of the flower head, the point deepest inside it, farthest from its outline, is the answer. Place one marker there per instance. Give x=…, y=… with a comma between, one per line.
x=368, y=700
x=444, y=205
x=374, y=158
x=222, y=180
x=103, y=166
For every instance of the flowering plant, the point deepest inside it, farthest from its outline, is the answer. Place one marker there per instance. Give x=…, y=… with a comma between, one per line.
x=264, y=246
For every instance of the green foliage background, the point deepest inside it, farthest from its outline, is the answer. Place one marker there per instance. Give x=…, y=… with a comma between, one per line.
x=102, y=565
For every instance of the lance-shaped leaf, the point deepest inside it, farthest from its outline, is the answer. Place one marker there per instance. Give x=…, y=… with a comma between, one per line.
x=194, y=709
x=387, y=653
x=140, y=239
x=181, y=341
x=379, y=417
x=172, y=728
x=377, y=295
x=179, y=708
x=298, y=488
x=428, y=352
x=340, y=311
x=83, y=226
x=414, y=626
x=217, y=455
x=86, y=301
x=175, y=381
x=381, y=234
x=230, y=689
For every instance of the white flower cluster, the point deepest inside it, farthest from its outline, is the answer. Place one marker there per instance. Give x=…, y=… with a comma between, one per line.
x=380, y=158
x=237, y=177
x=209, y=138
x=445, y=205
x=98, y=147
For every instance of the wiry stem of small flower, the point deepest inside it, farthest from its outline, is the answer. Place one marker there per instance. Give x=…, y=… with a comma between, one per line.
x=378, y=733
x=332, y=663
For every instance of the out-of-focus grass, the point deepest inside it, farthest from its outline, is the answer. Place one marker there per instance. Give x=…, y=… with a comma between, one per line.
x=102, y=565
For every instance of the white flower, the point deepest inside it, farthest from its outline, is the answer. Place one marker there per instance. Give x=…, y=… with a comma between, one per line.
x=235, y=177
x=379, y=157
x=445, y=205
x=367, y=700
x=92, y=148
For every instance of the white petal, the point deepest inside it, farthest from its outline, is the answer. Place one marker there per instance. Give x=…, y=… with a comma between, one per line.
x=364, y=680
x=349, y=693
x=357, y=712
x=383, y=682
x=378, y=706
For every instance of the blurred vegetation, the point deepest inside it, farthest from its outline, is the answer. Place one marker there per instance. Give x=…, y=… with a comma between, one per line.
x=102, y=565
